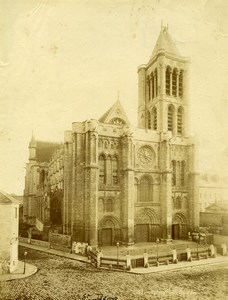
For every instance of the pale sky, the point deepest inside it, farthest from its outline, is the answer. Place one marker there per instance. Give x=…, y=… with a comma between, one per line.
x=64, y=61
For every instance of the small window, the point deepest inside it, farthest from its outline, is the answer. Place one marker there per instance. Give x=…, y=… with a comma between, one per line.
x=180, y=121
x=152, y=85
x=167, y=80
x=148, y=120
x=155, y=83
x=170, y=117
x=182, y=174
x=181, y=84
x=173, y=172
x=101, y=170
x=154, y=117
x=114, y=171
x=174, y=83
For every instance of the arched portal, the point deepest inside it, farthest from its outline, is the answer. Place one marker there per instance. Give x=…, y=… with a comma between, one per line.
x=179, y=227
x=147, y=226
x=109, y=231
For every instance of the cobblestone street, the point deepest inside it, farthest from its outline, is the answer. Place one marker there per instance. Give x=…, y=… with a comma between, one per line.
x=61, y=278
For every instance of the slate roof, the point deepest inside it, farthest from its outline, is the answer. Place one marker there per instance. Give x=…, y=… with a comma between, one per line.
x=44, y=150
x=7, y=199
x=165, y=43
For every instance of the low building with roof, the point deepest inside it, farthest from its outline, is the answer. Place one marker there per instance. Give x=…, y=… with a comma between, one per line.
x=9, y=221
x=215, y=218
x=213, y=189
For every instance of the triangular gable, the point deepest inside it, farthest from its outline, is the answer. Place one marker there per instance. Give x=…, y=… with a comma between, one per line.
x=214, y=208
x=115, y=115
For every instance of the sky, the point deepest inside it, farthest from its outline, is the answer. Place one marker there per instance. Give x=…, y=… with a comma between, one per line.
x=63, y=61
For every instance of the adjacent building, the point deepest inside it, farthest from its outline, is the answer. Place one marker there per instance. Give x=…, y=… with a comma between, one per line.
x=215, y=218
x=212, y=189
x=110, y=182
x=9, y=221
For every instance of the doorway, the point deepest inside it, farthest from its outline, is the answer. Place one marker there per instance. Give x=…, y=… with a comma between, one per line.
x=106, y=236
x=142, y=233
x=175, y=231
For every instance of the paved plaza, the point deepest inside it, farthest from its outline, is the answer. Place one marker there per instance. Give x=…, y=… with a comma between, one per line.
x=63, y=278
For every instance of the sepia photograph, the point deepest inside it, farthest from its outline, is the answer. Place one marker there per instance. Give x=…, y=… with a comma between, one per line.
x=113, y=149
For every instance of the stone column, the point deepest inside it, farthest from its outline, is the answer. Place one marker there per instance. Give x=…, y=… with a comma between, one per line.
x=166, y=190
x=193, y=182
x=185, y=97
x=142, y=96
x=161, y=79
x=67, y=176
x=128, y=261
x=189, y=257
x=91, y=187
x=128, y=190
x=174, y=252
x=145, y=257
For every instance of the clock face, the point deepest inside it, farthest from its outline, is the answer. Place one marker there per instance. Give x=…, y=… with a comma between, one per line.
x=145, y=156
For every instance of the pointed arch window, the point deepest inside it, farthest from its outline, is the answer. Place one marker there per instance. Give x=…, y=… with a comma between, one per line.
x=180, y=121
x=183, y=172
x=145, y=190
x=148, y=120
x=149, y=87
x=167, y=81
x=154, y=118
x=101, y=163
x=174, y=83
x=152, y=85
x=174, y=173
x=181, y=84
x=170, y=118
x=114, y=171
x=178, y=168
x=155, y=83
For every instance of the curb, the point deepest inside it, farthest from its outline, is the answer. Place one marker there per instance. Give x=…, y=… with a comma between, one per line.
x=154, y=269
x=18, y=274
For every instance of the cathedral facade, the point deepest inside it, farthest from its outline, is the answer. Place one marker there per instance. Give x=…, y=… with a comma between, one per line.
x=109, y=182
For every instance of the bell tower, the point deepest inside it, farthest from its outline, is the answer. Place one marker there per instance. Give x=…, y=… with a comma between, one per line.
x=163, y=89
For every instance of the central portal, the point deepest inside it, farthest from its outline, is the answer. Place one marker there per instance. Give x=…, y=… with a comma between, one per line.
x=142, y=233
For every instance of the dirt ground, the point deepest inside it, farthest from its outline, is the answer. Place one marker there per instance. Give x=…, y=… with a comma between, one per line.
x=61, y=278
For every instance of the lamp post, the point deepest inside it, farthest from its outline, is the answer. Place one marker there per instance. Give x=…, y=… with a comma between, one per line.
x=157, y=241
x=25, y=254
x=197, y=239
x=117, y=253
x=189, y=236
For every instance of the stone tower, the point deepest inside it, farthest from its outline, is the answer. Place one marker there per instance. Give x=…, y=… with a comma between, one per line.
x=163, y=107
x=163, y=89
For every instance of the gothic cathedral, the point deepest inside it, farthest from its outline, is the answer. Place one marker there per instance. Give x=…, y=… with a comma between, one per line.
x=109, y=182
